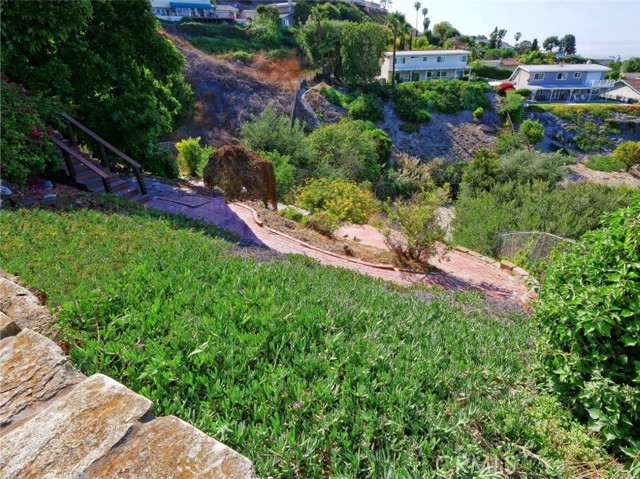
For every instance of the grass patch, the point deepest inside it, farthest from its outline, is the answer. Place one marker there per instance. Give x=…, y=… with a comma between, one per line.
x=599, y=110
x=605, y=163
x=309, y=371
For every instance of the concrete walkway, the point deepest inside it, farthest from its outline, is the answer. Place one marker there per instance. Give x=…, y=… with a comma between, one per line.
x=458, y=270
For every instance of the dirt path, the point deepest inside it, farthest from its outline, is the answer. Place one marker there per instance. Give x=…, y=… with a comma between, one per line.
x=581, y=174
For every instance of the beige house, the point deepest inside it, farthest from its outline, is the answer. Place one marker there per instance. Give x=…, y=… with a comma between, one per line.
x=627, y=90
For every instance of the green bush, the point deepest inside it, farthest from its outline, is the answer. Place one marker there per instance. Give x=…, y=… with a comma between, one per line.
x=292, y=214
x=605, y=163
x=192, y=156
x=628, y=152
x=523, y=92
x=25, y=130
x=323, y=222
x=348, y=150
x=508, y=142
x=284, y=171
x=492, y=73
x=589, y=310
x=221, y=45
x=242, y=56
x=512, y=107
x=271, y=131
x=344, y=199
x=337, y=98
x=423, y=116
x=591, y=137
x=478, y=112
x=567, y=212
x=531, y=131
x=447, y=96
x=417, y=219
x=277, y=54
x=524, y=166
x=366, y=107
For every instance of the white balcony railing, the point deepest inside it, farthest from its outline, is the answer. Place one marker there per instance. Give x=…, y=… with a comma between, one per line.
x=600, y=83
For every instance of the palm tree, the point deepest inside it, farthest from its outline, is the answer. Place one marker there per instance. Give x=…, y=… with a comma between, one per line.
x=425, y=11
x=395, y=21
x=417, y=6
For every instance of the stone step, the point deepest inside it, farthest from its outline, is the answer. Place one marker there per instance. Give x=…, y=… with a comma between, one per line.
x=23, y=307
x=72, y=433
x=167, y=448
x=34, y=371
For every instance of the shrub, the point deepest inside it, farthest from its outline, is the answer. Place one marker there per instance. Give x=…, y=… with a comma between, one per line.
x=508, y=142
x=447, y=96
x=492, y=73
x=271, y=131
x=277, y=54
x=568, y=212
x=324, y=222
x=242, y=56
x=478, y=112
x=419, y=228
x=523, y=92
x=366, y=107
x=344, y=199
x=24, y=138
x=512, y=107
x=336, y=97
x=346, y=150
x=192, y=156
x=423, y=116
x=588, y=309
x=628, y=152
x=605, y=163
x=526, y=166
x=292, y=214
x=532, y=132
x=591, y=137
x=284, y=172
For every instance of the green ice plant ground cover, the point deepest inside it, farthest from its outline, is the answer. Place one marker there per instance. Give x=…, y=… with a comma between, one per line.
x=308, y=371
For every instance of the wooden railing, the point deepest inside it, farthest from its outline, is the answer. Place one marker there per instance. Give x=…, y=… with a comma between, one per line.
x=68, y=153
x=103, y=146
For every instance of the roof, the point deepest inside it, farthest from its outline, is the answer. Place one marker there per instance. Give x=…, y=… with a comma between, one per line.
x=584, y=67
x=230, y=8
x=418, y=53
x=632, y=76
x=510, y=62
x=201, y=6
x=632, y=82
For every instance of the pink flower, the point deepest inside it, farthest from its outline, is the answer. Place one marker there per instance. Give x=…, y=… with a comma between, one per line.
x=297, y=406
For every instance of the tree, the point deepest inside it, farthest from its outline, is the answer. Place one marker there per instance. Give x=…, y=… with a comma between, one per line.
x=631, y=65
x=550, y=43
x=395, y=21
x=425, y=20
x=534, y=46
x=523, y=47
x=108, y=60
x=301, y=12
x=386, y=4
x=192, y=156
x=362, y=45
x=517, y=37
x=568, y=45
x=417, y=6
x=320, y=40
x=445, y=30
x=495, y=38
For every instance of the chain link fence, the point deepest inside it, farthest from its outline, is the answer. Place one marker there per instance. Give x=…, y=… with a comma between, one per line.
x=534, y=245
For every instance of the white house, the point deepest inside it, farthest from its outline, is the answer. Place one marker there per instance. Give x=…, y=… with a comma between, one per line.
x=562, y=82
x=626, y=89
x=425, y=65
x=176, y=10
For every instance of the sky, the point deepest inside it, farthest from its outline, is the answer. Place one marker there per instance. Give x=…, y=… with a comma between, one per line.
x=602, y=28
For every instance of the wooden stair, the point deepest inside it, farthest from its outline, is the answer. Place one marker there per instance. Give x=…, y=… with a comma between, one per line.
x=95, y=175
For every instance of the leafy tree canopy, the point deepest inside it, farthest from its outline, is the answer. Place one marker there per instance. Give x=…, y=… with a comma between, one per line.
x=107, y=61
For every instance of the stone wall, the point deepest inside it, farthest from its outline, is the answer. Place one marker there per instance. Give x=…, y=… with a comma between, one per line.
x=55, y=422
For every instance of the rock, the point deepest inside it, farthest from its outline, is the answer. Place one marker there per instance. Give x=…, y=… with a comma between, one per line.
x=69, y=435
x=23, y=307
x=7, y=327
x=34, y=370
x=167, y=448
x=50, y=197
x=507, y=265
x=47, y=185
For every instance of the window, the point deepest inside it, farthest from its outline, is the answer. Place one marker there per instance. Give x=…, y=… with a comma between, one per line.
x=555, y=94
x=400, y=60
x=577, y=75
x=538, y=76
x=440, y=60
x=561, y=76
x=424, y=59
x=463, y=58
x=413, y=57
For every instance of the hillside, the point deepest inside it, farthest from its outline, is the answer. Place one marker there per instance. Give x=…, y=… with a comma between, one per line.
x=308, y=371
